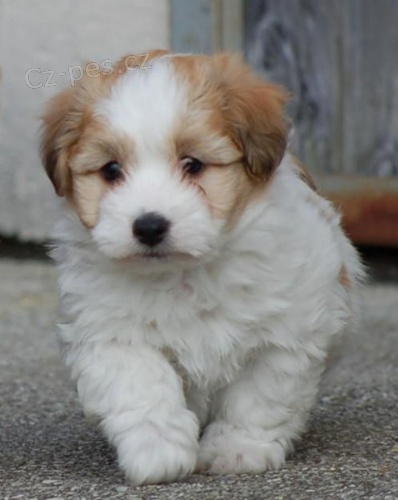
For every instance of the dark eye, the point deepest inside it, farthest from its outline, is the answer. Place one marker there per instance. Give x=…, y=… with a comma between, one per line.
x=191, y=165
x=112, y=171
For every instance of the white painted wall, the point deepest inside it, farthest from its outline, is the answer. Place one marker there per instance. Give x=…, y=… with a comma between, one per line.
x=52, y=36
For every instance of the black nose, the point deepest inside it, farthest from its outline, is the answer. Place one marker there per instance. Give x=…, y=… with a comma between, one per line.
x=150, y=229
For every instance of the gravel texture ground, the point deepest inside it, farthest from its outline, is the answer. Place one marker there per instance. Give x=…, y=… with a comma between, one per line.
x=49, y=451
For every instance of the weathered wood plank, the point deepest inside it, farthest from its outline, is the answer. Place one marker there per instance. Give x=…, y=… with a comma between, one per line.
x=340, y=61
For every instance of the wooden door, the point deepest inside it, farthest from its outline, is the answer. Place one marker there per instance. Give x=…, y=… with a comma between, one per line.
x=339, y=59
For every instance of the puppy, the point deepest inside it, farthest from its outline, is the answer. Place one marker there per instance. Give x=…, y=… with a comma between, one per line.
x=203, y=278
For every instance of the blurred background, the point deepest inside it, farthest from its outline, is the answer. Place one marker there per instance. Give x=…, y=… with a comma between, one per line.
x=337, y=58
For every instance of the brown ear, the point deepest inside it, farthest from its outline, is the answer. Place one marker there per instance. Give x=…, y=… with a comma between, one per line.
x=256, y=115
x=55, y=140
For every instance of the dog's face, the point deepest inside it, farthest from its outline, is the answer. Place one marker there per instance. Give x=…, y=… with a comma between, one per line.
x=161, y=162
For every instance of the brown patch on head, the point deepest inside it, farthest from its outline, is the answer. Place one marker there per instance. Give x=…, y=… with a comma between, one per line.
x=228, y=191
x=66, y=117
x=96, y=148
x=235, y=124
x=70, y=133
x=255, y=112
x=247, y=109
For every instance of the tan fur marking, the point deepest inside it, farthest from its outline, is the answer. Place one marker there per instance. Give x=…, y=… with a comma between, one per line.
x=97, y=147
x=305, y=175
x=227, y=100
x=344, y=278
x=241, y=105
x=227, y=190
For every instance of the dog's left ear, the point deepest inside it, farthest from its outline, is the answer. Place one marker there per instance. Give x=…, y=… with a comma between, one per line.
x=256, y=116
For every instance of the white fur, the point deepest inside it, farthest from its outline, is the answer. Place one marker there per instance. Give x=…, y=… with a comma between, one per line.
x=145, y=105
x=229, y=331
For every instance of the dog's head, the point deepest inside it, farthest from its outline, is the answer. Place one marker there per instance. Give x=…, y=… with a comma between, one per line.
x=160, y=161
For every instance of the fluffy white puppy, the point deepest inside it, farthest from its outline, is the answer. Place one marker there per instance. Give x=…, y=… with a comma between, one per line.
x=203, y=279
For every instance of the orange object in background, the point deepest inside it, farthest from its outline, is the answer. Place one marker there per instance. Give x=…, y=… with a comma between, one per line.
x=369, y=206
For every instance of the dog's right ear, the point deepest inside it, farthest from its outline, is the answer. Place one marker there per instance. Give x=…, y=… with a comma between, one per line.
x=58, y=133
x=64, y=118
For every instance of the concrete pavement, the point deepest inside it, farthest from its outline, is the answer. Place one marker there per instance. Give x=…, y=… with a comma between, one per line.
x=49, y=451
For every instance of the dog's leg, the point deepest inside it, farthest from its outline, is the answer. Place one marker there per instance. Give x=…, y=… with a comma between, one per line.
x=198, y=401
x=139, y=399
x=256, y=418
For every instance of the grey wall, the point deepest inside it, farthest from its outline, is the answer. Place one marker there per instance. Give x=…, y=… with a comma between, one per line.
x=51, y=36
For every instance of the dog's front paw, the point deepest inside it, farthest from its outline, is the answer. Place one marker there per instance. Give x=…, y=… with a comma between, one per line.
x=152, y=454
x=229, y=450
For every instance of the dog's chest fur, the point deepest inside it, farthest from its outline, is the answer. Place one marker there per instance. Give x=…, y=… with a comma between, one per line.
x=205, y=318
x=272, y=284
